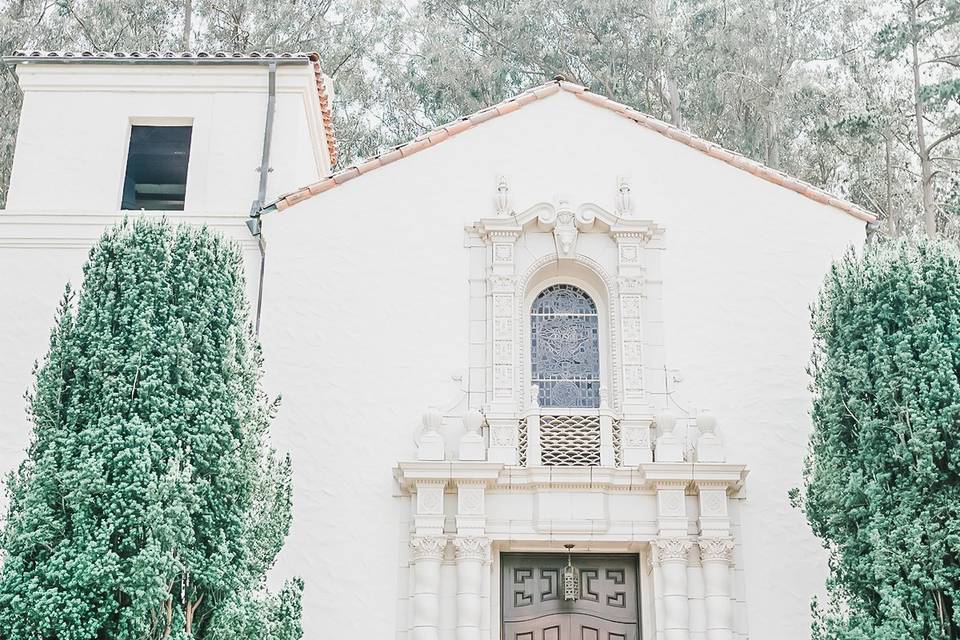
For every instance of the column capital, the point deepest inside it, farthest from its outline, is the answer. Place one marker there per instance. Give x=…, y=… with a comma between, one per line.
x=427, y=547
x=471, y=547
x=666, y=550
x=716, y=549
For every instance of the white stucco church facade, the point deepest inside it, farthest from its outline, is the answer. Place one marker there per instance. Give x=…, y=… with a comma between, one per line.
x=543, y=368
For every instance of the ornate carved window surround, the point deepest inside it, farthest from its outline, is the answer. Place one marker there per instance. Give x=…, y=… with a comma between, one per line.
x=614, y=259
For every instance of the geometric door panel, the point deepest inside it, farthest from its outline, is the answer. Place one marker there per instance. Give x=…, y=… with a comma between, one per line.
x=533, y=606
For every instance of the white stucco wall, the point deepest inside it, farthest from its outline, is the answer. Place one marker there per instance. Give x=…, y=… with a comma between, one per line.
x=75, y=129
x=366, y=319
x=364, y=330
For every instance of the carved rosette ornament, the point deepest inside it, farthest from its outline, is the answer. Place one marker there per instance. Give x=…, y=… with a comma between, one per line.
x=666, y=550
x=471, y=548
x=716, y=549
x=427, y=547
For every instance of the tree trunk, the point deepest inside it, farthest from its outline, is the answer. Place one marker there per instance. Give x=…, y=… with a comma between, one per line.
x=187, y=23
x=926, y=168
x=673, y=95
x=893, y=224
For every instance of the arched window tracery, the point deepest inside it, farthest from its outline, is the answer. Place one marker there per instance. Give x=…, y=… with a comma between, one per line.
x=565, y=348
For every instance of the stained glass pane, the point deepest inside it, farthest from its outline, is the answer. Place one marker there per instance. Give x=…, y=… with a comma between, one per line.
x=565, y=348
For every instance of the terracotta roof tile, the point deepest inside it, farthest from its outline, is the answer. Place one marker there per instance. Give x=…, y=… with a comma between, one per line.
x=512, y=104
x=311, y=58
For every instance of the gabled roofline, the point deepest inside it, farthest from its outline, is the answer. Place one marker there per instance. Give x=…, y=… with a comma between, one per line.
x=512, y=104
x=202, y=58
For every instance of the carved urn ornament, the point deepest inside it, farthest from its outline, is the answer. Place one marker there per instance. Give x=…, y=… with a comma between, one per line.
x=430, y=445
x=471, y=443
x=709, y=445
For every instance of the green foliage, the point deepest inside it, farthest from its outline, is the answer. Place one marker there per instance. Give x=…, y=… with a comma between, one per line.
x=882, y=479
x=150, y=504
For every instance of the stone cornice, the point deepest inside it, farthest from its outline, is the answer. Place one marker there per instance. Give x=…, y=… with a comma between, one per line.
x=587, y=217
x=642, y=478
x=407, y=474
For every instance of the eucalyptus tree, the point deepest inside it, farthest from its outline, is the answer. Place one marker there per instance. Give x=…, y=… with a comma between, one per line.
x=927, y=34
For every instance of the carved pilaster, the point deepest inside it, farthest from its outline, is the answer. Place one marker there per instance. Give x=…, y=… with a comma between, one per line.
x=672, y=520
x=471, y=508
x=471, y=554
x=635, y=441
x=502, y=288
x=716, y=555
x=671, y=556
x=426, y=552
x=429, y=517
x=503, y=439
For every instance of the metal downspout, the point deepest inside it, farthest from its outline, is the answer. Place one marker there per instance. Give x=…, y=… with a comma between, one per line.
x=254, y=223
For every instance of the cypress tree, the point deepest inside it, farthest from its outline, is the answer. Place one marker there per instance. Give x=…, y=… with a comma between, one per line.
x=882, y=479
x=150, y=504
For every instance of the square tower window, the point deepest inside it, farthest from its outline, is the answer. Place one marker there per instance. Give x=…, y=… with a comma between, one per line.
x=156, y=176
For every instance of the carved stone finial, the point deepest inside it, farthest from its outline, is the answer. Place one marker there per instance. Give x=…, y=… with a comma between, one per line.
x=624, y=201
x=430, y=446
x=706, y=423
x=471, y=444
x=669, y=446
x=709, y=445
x=502, y=198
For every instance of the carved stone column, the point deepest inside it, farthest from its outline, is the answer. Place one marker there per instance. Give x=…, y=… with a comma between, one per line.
x=671, y=556
x=716, y=555
x=698, y=612
x=426, y=553
x=471, y=554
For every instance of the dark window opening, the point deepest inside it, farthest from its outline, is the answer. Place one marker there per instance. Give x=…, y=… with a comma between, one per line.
x=156, y=177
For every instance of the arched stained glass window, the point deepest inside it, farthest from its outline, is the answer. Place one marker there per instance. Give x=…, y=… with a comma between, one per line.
x=565, y=348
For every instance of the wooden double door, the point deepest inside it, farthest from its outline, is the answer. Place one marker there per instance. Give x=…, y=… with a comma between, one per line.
x=533, y=606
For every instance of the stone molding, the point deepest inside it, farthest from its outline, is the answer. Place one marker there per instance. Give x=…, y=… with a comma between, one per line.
x=643, y=478
x=666, y=550
x=427, y=547
x=471, y=548
x=716, y=549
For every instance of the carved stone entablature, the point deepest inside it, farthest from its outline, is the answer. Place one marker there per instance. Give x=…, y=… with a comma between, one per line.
x=471, y=548
x=427, y=547
x=566, y=222
x=716, y=549
x=667, y=550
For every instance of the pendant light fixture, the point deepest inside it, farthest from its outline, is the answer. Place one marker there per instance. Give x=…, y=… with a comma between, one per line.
x=571, y=577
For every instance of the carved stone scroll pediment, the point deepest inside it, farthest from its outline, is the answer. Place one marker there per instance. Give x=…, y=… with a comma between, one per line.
x=567, y=222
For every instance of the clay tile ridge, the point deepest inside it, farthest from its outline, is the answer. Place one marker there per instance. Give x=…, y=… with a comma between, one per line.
x=312, y=58
x=460, y=125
